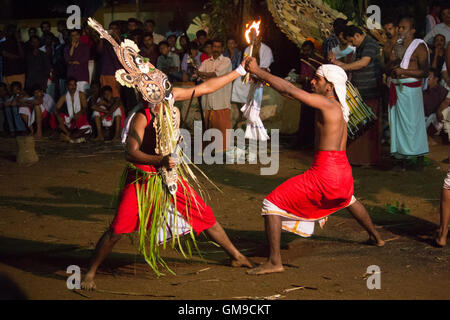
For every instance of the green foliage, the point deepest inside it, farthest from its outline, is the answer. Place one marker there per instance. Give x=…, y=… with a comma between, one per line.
x=351, y=8
x=224, y=18
x=397, y=209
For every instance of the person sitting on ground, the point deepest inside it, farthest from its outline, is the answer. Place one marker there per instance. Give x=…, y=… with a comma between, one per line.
x=433, y=97
x=16, y=123
x=107, y=112
x=36, y=109
x=71, y=114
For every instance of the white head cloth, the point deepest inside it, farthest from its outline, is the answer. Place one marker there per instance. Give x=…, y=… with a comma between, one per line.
x=337, y=76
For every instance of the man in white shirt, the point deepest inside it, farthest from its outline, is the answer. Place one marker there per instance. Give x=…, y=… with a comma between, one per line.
x=217, y=105
x=442, y=28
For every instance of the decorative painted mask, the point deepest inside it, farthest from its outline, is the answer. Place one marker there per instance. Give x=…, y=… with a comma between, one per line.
x=138, y=72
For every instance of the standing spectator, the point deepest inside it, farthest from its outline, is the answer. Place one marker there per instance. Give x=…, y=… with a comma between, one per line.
x=27, y=45
x=173, y=30
x=233, y=53
x=390, y=27
x=441, y=28
x=432, y=18
x=136, y=36
x=206, y=51
x=437, y=54
x=217, y=104
x=169, y=62
x=366, y=73
x=149, y=49
x=182, y=47
x=63, y=32
x=45, y=28
x=86, y=39
x=106, y=113
x=16, y=125
x=333, y=41
x=132, y=25
x=2, y=39
x=406, y=110
x=191, y=62
x=149, y=26
x=343, y=52
x=37, y=65
x=13, y=57
x=77, y=58
x=201, y=38
x=172, y=40
x=109, y=62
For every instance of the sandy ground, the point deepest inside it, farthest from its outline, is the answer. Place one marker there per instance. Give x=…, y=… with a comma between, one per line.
x=53, y=212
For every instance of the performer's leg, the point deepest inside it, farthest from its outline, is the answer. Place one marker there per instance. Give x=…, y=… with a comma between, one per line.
x=62, y=126
x=361, y=215
x=102, y=249
x=273, y=233
x=441, y=239
x=217, y=233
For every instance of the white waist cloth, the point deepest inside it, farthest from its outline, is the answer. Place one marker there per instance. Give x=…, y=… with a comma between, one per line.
x=175, y=226
x=292, y=223
x=105, y=121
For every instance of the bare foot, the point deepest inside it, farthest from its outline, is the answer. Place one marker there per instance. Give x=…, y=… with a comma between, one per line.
x=266, y=268
x=440, y=240
x=88, y=283
x=241, y=261
x=375, y=241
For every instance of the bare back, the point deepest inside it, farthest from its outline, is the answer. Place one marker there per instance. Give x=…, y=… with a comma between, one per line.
x=331, y=129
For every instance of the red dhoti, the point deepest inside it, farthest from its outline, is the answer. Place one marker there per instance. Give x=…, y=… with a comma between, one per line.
x=326, y=187
x=188, y=204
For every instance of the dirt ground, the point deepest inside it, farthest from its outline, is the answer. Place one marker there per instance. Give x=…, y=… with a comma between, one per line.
x=53, y=212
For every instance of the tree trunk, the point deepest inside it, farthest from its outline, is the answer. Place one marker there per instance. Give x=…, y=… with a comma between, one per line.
x=26, y=153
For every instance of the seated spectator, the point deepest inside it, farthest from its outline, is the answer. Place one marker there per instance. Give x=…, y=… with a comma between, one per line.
x=16, y=125
x=132, y=25
x=437, y=53
x=77, y=56
x=191, y=62
x=37, y=108
x=37, y=65
x=173, y=30
x=432, y=100
x=71, y=114
x=149, y=26
x=169, y=62
x=233, y=53
x=207, y=51
x=172, y=40
x=106, y=113
x=3, y=98
x=136, y=36
x=149, y=49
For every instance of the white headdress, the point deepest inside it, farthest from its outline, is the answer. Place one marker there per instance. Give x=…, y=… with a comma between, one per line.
x=337, y=76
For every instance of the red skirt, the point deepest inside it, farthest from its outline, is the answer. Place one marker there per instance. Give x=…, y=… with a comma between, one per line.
x=323, y=189
x=127, y=217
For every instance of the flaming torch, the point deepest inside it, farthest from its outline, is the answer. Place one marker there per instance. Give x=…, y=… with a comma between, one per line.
x=251, y=33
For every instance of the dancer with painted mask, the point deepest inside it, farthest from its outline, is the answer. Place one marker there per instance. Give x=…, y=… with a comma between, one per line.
x=156, y=198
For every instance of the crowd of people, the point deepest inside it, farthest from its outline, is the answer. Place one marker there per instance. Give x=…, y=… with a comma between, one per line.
x=66, y=82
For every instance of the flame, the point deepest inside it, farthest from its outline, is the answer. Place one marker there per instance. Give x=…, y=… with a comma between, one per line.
x=254, y=25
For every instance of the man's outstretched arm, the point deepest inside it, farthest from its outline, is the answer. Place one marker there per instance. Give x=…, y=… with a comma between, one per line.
x=288, y=89
x=207, y=87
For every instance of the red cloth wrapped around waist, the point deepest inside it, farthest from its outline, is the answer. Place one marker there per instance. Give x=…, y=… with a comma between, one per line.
x=393, y=91
x=326, y=187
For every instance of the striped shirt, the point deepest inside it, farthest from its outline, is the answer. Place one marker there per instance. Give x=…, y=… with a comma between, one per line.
x=366, y=80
